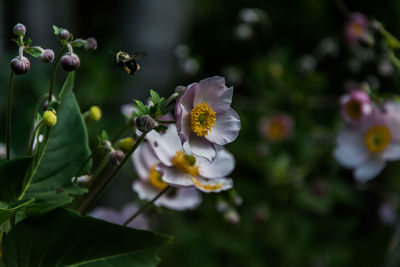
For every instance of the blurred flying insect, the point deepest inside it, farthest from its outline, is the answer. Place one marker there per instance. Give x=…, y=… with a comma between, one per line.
x=127, y=62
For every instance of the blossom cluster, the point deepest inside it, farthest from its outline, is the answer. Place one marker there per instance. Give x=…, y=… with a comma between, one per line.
x=189, y=155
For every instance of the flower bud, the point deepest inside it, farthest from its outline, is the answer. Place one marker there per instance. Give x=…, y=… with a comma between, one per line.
x=20, y=65
x=107, y=144
x=47, y=56
x=50, y=118
x=125, y=144
x=356, y=106
x=91, y=44
x=231, y=216
x=70, y=62
x=94, y=113
x=145, y=123
x=64, y=34
x=19, y=29
x=116, y=157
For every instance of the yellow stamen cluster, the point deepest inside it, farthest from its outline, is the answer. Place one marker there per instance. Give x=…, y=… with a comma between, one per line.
x=353, y=109
x=207, y=187
x=155, y=179
x=377, y=138
x=202, y=118
x=185, y=163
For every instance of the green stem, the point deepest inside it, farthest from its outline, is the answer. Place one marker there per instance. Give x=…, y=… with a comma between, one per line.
x=32, y=137
x=53, y=74
x=120, y=132
x=94, y=195
x=166, y=121
x=35, y=111
x=8, y=114
x=147, y=205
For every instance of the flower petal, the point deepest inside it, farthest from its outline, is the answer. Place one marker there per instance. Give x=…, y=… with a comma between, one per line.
x=183, y=199
x=145, y=190
x=165, y=145
x=226, y=129
x=214, y=91
x=173, y=176
x=370, y=169
x=128, y=109
x=221, y=166
x=183, y=123
x=350, y=151
x=201, y=147
x=392, y=152
x=144, y=159
x=214, y=185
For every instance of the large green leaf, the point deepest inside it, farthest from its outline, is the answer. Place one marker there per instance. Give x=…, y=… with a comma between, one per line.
x=66, y=149
x=7, y=210
x=12, y=174
x=63, y=237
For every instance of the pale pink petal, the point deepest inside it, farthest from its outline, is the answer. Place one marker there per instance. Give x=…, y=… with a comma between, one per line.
x=128, y=109
x=145, y=190
x=143, y=160
x=165, y=145
x=392, y=152
x=214, y=92
x=212, y=185
x=201, y=147
x=221, y=166
x=370, y=169
x=183, y=123
x=350, y=150
x=173, y=176
x=182, y=199
x=226, y=129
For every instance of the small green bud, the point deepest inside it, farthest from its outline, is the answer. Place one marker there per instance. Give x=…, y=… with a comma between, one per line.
x=94, y=113
x=50, y=118
x=125, y=144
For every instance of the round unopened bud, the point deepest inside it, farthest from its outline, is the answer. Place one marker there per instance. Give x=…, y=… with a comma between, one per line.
x=231, y=216
x=50, y=118
x=70, y=62
x=145, y=123
x=116, y=157
x=125, y=144
x=64, y=34
x=19, y=29
x=20, y=65
x=95, y=113
x=91, y=44
x=47, y=56
x=107, y=144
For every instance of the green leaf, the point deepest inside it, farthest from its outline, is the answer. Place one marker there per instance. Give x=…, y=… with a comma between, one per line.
x=28, y=42
x=12, y=174
x=62, y=237
x=160, y=128
x=142, y=107
x=141, y=258
x=6, y=212
x=155, y=97
x=33, y=51
x=57, y=30
x=78, y=42
x=66, y=149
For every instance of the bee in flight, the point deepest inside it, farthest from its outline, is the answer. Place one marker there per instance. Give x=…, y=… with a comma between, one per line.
x=127, y=62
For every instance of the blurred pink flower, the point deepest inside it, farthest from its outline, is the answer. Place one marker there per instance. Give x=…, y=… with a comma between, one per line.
x=276, y=128
x=150, y=183
x=181, y=169
x=204, y=118
x=367, y=147
x=356, y=106
x=356, y=27
x=119, y=217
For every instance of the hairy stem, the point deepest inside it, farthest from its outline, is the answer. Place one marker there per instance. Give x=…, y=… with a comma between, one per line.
x=53, y=74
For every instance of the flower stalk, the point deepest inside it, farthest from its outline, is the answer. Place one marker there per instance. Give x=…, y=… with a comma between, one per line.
x=8, y=114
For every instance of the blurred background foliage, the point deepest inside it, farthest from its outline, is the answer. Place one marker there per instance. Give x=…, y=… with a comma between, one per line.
x=300, y=208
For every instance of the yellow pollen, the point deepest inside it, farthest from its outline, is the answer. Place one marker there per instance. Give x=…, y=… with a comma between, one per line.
x=202, y=118
x=155, y=179
x=276, y=131
x=353, y=109
x=185, y=163
x=377, y=138
x=208, y=187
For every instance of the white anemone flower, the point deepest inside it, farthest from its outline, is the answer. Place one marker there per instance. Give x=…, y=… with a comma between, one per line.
x=367, y=148
x=150, y=183
x=181, y=169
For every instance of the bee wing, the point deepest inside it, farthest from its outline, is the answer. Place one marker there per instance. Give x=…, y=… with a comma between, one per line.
x=138, y=55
